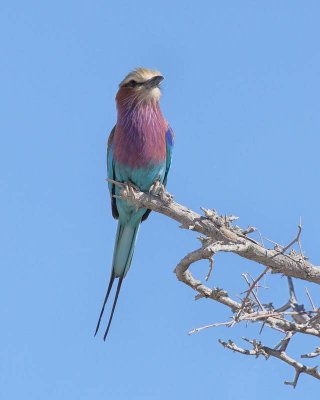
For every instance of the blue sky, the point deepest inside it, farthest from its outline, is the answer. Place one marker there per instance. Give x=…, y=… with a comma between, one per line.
x=242, y=94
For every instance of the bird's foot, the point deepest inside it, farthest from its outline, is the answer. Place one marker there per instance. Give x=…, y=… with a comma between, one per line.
x=155, y=188
x=130, y=188
x=158, y=189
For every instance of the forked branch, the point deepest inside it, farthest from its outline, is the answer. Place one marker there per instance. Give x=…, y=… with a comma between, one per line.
x=221, y=235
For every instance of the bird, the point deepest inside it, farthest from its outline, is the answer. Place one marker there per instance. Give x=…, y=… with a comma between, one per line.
x=139, y=153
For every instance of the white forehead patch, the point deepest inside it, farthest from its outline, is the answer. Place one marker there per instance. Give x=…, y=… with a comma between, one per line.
x=140, y=75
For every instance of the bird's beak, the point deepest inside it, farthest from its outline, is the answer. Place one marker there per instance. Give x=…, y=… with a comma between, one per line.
x=153, y=82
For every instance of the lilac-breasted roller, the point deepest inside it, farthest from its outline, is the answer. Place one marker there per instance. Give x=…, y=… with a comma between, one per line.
x=139, y=153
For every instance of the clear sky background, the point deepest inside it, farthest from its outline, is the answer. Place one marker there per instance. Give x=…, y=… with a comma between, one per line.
x=242, y=93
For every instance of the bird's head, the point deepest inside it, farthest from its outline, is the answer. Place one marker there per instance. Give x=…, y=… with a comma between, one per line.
x=140, y=85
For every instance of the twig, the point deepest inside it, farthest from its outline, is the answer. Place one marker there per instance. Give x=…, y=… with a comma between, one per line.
x=249, y=291
x=284, y=342
x=311, y=301
x=259, y=349
x=295, y=240
x=202, y=328
x=253, y=293
x=210, y=268
x=315, y=353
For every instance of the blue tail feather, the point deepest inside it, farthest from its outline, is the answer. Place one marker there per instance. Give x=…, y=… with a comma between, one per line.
x=122, y=256
x=124, y=248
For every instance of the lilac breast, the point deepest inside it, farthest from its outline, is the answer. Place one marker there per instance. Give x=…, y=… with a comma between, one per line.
x=139, y=138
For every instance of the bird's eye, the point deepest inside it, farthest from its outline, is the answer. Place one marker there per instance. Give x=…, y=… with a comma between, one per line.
x=131, y=83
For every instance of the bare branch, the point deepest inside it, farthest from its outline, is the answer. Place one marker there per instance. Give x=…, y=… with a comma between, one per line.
x=261, y=350
x=315, y=353
x=220, y=235
x=214, y=227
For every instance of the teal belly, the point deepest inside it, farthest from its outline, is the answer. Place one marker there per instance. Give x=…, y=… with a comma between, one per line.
x=143, y=178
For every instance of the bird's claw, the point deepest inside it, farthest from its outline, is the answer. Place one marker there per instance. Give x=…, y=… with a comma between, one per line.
x=155, y=188
x=130, y=188
x=158, y=189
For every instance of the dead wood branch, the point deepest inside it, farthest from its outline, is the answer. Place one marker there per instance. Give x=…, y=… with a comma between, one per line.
x=220, y=235
x=261, y=350
x=220, y=229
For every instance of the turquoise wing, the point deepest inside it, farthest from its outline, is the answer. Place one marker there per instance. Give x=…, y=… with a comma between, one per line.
x=169, y=147
x=111, y=174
